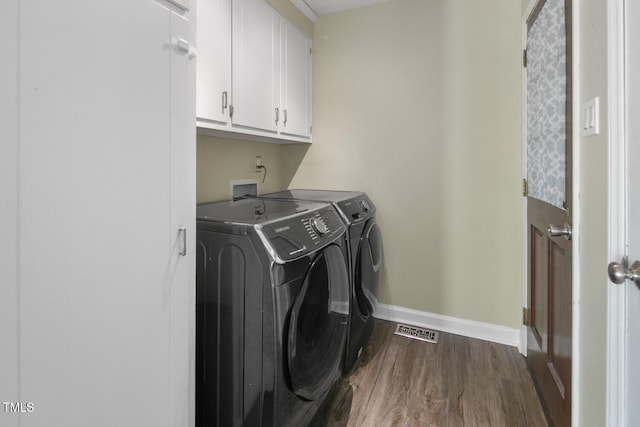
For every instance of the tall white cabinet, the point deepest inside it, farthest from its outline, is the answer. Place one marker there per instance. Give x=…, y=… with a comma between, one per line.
x=103, y=213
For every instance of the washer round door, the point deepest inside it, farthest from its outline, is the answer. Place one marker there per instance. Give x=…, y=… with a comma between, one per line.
x=368, y=268
x=318, y=325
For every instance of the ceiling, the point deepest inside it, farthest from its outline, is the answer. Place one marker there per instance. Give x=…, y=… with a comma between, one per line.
x=314, y=8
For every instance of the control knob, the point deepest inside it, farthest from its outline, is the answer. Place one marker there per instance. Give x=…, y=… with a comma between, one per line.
x=319, y=226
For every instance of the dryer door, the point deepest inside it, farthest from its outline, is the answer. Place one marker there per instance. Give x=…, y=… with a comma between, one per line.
x=318, y=325
x=368, y=268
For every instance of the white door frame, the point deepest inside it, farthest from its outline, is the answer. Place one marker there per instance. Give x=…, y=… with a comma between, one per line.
x=616, y=304
x=525, y=232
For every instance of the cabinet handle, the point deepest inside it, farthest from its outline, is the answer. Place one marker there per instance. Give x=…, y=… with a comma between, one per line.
x=224, y=101
x=182, y=44
x=277, y=115
x=183, y=231
x=185, y=47
x=285, y=117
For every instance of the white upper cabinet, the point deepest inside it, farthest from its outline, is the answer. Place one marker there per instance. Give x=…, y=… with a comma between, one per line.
x=255, y=66
x=213, y=76
x=295, y=98
x=254, y=73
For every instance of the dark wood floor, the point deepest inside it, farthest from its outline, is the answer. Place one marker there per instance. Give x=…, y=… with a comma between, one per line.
x=457, y=382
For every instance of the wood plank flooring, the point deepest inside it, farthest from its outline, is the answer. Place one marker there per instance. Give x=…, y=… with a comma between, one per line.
x=459, y=381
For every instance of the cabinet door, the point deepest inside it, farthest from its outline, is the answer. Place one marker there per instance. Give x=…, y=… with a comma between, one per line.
x=180, y=272
x=256, y=56
x=296, y=78
x=104, y=333
x=214, y=61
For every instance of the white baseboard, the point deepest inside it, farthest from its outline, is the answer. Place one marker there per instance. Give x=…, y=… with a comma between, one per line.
x=453, y=325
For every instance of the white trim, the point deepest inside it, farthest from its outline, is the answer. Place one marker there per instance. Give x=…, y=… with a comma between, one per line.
x=616, y=305
x=453, y=325
x=305, y=9
x=522, y=346
x=577, y=355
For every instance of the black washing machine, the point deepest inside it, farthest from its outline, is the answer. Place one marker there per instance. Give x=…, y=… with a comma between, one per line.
x=365, y=258
x=272, y=307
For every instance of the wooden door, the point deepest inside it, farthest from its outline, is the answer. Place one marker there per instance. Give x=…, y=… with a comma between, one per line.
x=549, y=192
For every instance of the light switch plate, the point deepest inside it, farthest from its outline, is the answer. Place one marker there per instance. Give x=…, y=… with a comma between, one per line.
x=591, y=117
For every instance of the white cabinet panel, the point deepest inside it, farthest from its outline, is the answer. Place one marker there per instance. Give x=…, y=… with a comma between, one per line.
x=9, y=380
x=213, y=79
x=256, y=56
x=105, y=326
x=181, y=271
x=296, y=81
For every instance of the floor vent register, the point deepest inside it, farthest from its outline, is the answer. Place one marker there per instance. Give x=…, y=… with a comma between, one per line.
x=417, y=333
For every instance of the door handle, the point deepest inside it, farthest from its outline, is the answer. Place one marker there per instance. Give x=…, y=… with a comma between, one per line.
x=618, y=272
x=560, y=230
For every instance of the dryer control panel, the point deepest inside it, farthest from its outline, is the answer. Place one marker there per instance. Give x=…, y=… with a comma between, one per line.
x=357, y=209
x=302, y=234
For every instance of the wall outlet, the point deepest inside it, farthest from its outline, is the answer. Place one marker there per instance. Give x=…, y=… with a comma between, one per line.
x=257, y=162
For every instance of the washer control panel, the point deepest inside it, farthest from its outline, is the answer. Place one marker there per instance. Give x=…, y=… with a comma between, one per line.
x=302, y=234
x=321, y=224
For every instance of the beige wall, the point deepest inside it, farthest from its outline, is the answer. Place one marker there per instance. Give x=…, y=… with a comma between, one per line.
x=222, y=160
x=591, y=61
x=418, y=104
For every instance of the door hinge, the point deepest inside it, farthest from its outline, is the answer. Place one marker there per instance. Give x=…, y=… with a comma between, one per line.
x=526, y=316
x=525, y=188
x=524, y=58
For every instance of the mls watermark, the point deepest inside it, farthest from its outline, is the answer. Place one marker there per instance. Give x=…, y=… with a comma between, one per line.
x=18, y=407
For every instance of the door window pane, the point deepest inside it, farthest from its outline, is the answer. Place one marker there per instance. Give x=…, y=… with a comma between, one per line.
x=546, y=105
